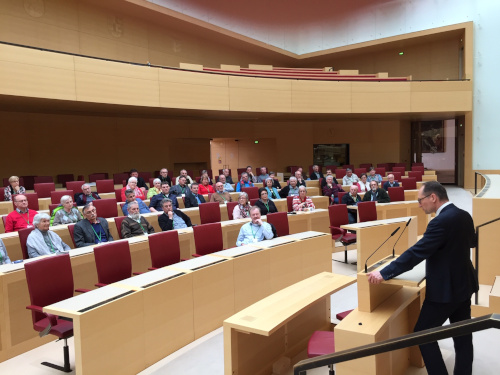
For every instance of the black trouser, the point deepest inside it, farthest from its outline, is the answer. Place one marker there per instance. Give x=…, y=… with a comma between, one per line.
x=434, y=314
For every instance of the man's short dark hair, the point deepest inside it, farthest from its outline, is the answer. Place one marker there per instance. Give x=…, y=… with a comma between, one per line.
x=194, y=184
x=133, y=170
x=434, y=187
x=128, y=192
x=165, y=200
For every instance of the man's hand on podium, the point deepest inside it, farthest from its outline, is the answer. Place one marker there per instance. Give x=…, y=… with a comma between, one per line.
x=375, y=277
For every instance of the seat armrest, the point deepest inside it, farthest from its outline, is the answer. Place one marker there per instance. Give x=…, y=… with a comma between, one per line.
x=152, y=268
x=137, y=273
x=184, y=259
x=196, y=255
x=100, y=285
x=35, y=308
x=80, y=290
x=39, y=309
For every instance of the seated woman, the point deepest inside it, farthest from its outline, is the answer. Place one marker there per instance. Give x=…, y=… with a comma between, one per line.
x=132, y=185
x=242, y=210
x=272, y=192
x=205, y=173
x=4, y=257
x=41, y=241
x=155, y=189
x=66, y=213
x=264, y=203
x=13, y=189
x=363, y=184
x=331, y=190
x=205, y=187
x=302, y=202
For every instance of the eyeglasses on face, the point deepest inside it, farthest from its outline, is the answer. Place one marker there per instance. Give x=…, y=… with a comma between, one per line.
x=421, y=199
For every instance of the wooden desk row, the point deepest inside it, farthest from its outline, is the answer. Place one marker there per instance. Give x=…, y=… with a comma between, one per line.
x=168, y=308
x=16, y=331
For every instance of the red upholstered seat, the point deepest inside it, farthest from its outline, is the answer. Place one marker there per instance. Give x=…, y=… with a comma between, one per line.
x=119, y=177
x=399, y=165
x=409, y=183
x=106, y=208
x=43, y=189
x=118, y=223
x=32, y=201
x=345, y=166
x=341, y=194
x=343, y=314
x=359, y=171
x=397, y=194
x=397, y=176
x=321, y=343
x=44, y=179
x=93, y=177
x=332, y=167
x=71, y=230
x=253, y=192
x=417, y=164
x=63, y=178
x=62, y=329
x=209, y=212
x=23, y=237
x=367, y=211
x=207, y=239
x=338, y=216
x=417, y=175
x=280, y=222
x=230, y=209
x=55, y=196
x=418, y=168
x=145, y=175
x=164, y=249
x=340, y=173
x=113, y=262
x=76, y=186
x=289, y=203
x=118, y=195
x=105, y=186
x=365, y=165
x=253, y=201
x=380, y=171
x=399, y=169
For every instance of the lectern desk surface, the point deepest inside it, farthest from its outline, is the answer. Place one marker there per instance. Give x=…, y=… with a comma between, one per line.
x=373, y=223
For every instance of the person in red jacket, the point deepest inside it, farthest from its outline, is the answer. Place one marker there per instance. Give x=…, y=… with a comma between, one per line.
x=21, y=217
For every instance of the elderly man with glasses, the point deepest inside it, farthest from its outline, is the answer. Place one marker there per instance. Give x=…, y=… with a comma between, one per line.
x=93, y=230
x=22, y=217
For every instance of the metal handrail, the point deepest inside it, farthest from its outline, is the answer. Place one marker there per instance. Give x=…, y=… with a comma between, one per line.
x=464, y=327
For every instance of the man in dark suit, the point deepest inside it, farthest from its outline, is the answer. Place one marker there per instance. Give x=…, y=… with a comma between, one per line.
x=390, y=182
x=93, y=230
x=451, y=279
x=193, y=199
x=376, y=194
x=352, y=199
x=316, y=175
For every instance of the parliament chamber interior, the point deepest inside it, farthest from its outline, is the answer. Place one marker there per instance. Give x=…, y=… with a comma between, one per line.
x=144, y=141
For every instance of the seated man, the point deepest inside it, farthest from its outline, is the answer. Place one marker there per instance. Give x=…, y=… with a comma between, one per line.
x=4, y=257
x=86, y=196
x=352, y=199
x=302, y=202
x=372, y=175
x=193, y=199
x=263, y=175
x=164, y=177
x=291, y=189
x=245, y=182
x=227, y=186
x=92, y=230
x=220, y=195
x=331, y=190
x=328, y=173
x=390, y=182
x=349, y=178
x=172, y=218
x=300, y=179
x=22, y=217
x=184, y=173
x=42, y=241
x=254, y=231
x=130, y=196
x=316, y=175
x=181, y=189
x=141, y=184
x=135, y=224
x=155, y=202
x=251, y=176
x=276, y=183
x=376, y=194
x=226, y=174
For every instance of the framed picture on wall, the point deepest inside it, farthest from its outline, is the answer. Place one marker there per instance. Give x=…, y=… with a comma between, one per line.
x=432, y=136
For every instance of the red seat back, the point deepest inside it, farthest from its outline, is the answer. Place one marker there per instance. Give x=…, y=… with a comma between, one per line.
x=209, y=172
x=208, y=238
x=197, y=179
x=76, y=186
x=113, y=261
x=230, y=209
x=380, y=171
x=416, y=175
x=409, y=183
x=345, y=166
x=71, y=230
x=118, y=195
x=417, y=168
x=106, y=207
x=118, y=223
x=32, y=201
x=253, y=192
x=164, y=248
x=209, y=212
x=23, y=237
x=93, y=177
x=332, y=167
x=360, y=171
x=119, y=177
x=399, y=165
x=383, y=165
x=340, y=173
x=289, y=203
x=417, y=164
x=55, y=196
x=43, y=189
x=63, y=178
x=253, y=201
x=44, y=179
x=397, y=176
x=397, y=194
x=28, y=182
x=341, y=194
x=367, y=211
x=365, y=165
x=145, y=175
x=399, y=169
x=280, y=222
x=105, y=186
x=50, y=280
x=2, y=194
x=338, y=215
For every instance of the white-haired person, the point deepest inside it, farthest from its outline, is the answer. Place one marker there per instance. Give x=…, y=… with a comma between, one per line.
x=13, y=189
x=242, y=209
x=42, y=241
x=155, y=189
x=66, y=213
x=132, y=185
x=302, y=202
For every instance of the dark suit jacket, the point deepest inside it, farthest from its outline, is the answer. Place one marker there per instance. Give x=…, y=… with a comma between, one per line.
x=313, y=176
x=141, y=183
x=191, y=201
x=166, y=224
x=387, y=186
x=263, y=208
x=348, y=200
x=81, y=199
x=446, y=246
x=382, y=196
x=84, y=235
x=155, y=201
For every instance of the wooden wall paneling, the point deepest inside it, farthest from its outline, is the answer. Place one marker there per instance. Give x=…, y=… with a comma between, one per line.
x=383, y=97
x=321, y=97
x=441, y=96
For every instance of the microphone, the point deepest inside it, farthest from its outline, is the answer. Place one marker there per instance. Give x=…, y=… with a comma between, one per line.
x=395, y=243
x=392, y=234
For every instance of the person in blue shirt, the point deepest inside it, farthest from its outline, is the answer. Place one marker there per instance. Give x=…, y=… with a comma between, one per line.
x=227, y=186
x=130, y=195
x=254, y=231
x=155, y=202
x=373, y=176
x=244, y=182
